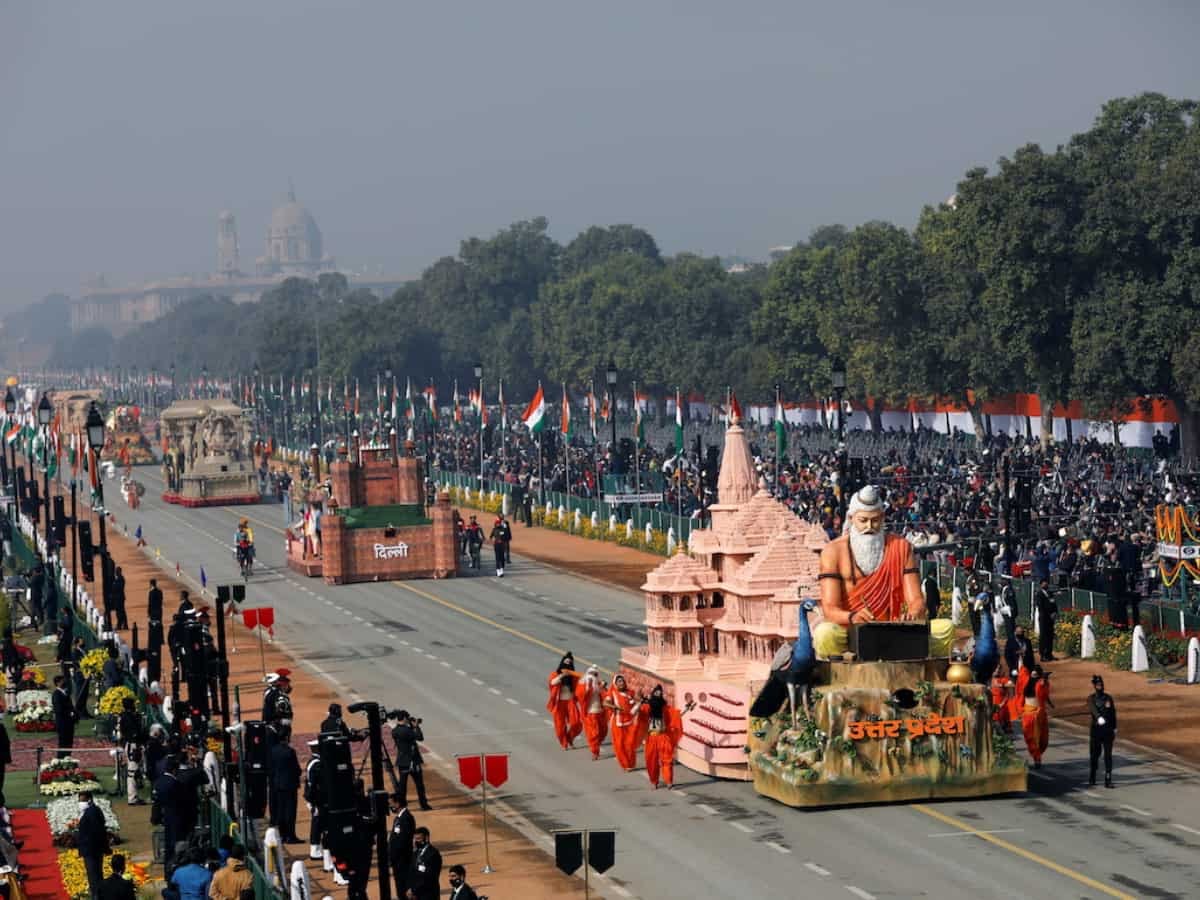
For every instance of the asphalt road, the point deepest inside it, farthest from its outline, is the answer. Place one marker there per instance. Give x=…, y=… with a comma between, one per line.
x=471, y=656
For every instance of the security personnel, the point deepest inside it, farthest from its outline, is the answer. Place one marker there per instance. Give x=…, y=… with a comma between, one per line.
x=314, y=799
x=400, y=844
x=335, y=724
x=285, y=782
x=1104, y=729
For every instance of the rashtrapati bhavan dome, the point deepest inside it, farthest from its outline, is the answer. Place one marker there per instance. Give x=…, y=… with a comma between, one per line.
x=294, y=248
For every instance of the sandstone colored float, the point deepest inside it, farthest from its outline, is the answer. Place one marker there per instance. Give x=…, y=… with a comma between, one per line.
x=717, y=615
x=206, y=454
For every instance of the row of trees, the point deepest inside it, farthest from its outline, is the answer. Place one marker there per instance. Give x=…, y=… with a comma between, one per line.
x=1071, y=273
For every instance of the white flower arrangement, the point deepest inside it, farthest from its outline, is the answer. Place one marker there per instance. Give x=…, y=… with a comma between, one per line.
x=68, y=788
x=31, y=697
x=34, y=712
x=63, y=814
x=64, y=764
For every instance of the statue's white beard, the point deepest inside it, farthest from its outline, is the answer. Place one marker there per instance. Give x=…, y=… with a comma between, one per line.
x=867, y=549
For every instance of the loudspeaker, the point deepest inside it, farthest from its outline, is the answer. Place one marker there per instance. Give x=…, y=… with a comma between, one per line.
x=337, y=773
x=255, y=743
x=886, y=641
x=239, y=593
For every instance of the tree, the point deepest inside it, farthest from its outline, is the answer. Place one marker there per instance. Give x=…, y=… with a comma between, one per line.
x=598, y=244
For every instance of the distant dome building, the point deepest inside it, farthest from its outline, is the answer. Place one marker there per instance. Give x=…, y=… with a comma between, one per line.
x=294, y=245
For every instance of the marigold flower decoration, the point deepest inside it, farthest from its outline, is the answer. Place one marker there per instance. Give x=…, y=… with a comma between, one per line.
x=113, y=700
x=92, y=664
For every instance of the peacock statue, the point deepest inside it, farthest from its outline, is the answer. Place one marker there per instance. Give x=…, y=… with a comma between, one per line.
x=987, y=650
x=790, y=672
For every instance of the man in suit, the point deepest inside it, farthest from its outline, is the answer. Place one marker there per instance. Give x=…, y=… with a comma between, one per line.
x=154, y=601
x=118, y=599
x=400, y=844
x=285, y=782
x=459, y=889
x=1047, y=610
x=91, y=840
x=65, y=716
x=5, y=753
x=116, y=886
x=405, y=735
x=425, y=870
x=167, y=796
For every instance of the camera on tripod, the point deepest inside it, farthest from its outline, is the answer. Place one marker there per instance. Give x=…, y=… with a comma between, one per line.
x=400, y=715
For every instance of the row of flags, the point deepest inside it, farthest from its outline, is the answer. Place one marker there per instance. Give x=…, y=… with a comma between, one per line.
x=50, y=444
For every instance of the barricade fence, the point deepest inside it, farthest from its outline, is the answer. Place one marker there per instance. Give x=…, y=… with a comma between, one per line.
x=1157, y=612
x=220, y=823
x=658, y=519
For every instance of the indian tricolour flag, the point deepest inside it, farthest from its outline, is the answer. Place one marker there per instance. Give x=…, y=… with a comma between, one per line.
x=534, y=416
x=12, y=433
x=780, y=431
x=565, y=425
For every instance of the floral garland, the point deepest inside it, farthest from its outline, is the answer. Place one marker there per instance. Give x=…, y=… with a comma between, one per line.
x=32, y=696
x=112, y=703
x=74, y=875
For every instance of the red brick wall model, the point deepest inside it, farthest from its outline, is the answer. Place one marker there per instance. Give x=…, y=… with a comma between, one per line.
x=378, y=480
x=370, y=554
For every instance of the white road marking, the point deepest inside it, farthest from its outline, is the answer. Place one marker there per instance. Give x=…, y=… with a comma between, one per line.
x=1186, y=828
x=779, y=847
x=430, y=655
x=744, y=828
x=706, y=809
x=329, y=603
x=531, y=712
x=477, y=681
x=548, y=721
x=404, y=642
x=446, y=664
x=1134, y=809
x=620, y=890
x=494, y=690
x=512, y=701
x=820, y=870
x=859, y=892
x=1042, y=775
x=1092, y=794
x=681, y=793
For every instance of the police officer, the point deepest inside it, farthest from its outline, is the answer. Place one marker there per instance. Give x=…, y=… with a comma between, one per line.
x=1104, y=729
x=315, y=798
x=129, y=729
x=400, y=844
x=285, y=781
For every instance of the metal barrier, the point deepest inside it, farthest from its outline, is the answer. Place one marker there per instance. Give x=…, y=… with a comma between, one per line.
x=658, y=519
x=220, y=823
x=1163, y=614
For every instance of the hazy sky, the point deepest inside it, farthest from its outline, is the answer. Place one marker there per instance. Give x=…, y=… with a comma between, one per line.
x=722, y=128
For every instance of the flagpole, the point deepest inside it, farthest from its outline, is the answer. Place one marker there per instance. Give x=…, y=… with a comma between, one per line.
x=595, y=439
x=778, y=438
x=679, y=461
x=566, y=439
x=637, y=463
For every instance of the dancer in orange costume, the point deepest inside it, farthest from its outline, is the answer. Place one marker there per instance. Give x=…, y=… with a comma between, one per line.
x=665, y=724
x=1016, y=702
x=1035, y=721
x=590, y=695
x=1001, y=685
x=562, y=704
x=626, y=720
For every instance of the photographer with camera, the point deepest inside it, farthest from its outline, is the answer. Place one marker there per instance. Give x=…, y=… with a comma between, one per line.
x=405, y=736
x=335, y=724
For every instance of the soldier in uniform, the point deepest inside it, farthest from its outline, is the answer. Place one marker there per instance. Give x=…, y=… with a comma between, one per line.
x=1104, y=729
x=312, y=796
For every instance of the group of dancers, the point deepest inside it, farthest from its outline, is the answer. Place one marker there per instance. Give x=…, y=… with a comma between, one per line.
x=585, y=704
x=1023, y=695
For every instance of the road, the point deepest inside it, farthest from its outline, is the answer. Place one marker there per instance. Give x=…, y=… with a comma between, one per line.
x=471, y=656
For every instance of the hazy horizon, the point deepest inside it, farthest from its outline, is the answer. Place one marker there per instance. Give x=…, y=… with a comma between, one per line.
x=720, y=130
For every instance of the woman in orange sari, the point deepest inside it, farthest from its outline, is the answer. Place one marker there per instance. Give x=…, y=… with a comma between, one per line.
x=562, y=704
x=665, y=728
x=1001, y=698
x=590, y=695
x=1035, y=721
x=625, y=720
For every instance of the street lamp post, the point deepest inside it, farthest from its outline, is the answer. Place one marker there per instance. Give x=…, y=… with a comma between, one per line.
x=610, y=378
x=45, y=412
x=839, y=390
x=95, y=439
x=479, y=381
x=10, y=410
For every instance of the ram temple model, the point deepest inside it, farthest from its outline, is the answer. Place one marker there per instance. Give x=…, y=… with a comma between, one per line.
x=881, y=713
x=375, y=524
x=71, y=408
x=206, y=454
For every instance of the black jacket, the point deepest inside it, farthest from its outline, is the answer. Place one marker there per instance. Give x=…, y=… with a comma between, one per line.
x=5, y=747
x=408, y=754
x=285, y=767
x=1017, y=653
x=425, y=873
x=1102, y=706
x=91, y=836
x=154, y=604
x=115, y=887
x=400, y=839
x=466, y=892
x=64, y=710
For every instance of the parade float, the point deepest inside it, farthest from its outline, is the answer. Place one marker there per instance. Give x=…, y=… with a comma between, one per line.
x=124, y=441
x=374, y=525
x=730, y=626
x=206, y=454
x=71, y=408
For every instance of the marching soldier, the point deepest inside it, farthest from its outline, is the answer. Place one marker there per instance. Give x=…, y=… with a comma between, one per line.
x=1104, y=729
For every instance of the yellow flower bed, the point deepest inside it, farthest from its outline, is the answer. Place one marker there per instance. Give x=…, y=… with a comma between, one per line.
x=113, y=700
x=92, y=664
x=74, y=875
